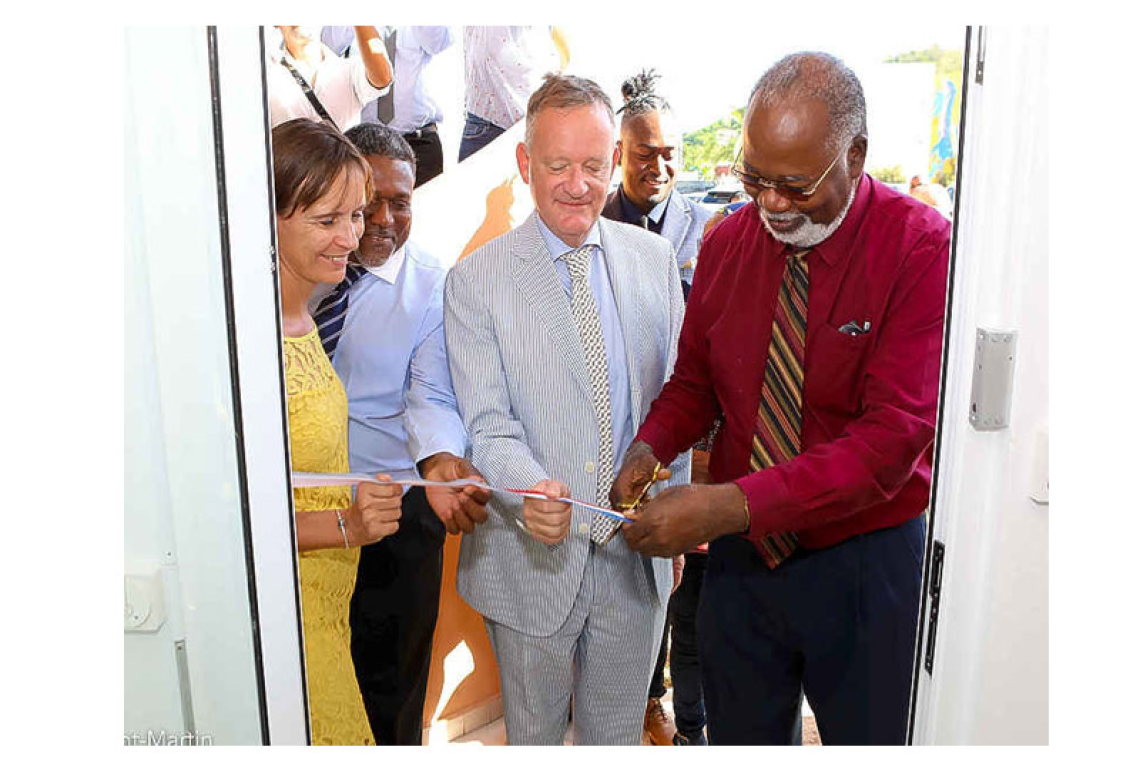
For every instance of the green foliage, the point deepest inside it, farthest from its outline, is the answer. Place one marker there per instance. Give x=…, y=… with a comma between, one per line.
x=714, y=144
x=888, y=174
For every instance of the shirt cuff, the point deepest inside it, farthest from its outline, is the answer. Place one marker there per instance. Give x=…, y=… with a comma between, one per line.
x=764, y=492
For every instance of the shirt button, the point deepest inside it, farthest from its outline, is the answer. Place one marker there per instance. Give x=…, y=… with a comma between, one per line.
x=583, y=529
x=589, y=467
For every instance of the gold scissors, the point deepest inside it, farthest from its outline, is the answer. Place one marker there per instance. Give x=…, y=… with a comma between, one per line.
x=636, y=504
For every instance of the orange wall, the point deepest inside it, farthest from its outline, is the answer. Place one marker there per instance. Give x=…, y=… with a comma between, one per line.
x=459, y=623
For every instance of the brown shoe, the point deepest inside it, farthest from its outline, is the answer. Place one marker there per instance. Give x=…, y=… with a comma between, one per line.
x=658, y=724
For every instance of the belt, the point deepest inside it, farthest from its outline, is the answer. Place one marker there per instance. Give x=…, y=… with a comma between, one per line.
x=425, y=130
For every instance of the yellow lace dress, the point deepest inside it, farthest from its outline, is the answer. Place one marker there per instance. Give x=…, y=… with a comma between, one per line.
x=318, y=434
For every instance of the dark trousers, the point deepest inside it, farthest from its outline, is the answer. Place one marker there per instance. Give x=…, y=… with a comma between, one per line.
x=429, y=154
x=477, y=134
x=392, y=616
x=684, y=659
x=837, y=624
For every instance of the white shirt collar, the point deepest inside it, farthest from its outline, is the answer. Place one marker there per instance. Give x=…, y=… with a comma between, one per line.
x=390, y=269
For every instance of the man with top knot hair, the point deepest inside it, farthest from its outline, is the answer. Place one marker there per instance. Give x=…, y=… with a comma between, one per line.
x=650, y=153
x=650, y=146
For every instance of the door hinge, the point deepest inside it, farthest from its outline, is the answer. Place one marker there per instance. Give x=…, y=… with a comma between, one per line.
x=980, y=58
x=936, y=559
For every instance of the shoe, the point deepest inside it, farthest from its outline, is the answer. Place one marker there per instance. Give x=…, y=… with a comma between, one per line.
x=658, y=724
x=681, y=740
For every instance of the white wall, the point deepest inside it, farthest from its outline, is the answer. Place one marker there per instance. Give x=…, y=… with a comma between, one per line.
x=991, y=667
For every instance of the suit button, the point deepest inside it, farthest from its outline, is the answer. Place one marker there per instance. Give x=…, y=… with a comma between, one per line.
x=590, y=467
x=583, y=529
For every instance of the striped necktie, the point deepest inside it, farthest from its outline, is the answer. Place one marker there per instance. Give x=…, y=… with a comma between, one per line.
x=777, y=435
x=331, y=311
x=585, y=311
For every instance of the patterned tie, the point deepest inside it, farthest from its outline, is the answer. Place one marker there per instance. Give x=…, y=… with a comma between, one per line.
x=777, y=434
x=585, y=311
x=331, y=311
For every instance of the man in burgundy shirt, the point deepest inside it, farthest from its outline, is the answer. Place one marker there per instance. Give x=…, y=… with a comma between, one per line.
x=836, y=619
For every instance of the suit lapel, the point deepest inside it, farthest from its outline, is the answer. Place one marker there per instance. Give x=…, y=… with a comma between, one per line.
x=622, y=265
x=677, y=221
x=537, y=280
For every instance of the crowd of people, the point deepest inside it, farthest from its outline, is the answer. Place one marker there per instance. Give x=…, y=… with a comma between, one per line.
x=721, y=427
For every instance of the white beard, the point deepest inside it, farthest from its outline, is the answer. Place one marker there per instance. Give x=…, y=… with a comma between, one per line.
x=809, y=234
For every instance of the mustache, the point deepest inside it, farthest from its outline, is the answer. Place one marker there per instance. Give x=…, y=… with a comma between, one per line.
x=783, y=216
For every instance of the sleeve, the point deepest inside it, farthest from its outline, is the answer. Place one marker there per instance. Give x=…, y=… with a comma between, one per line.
x=682, y=464
x=433, y=40
x=878, y=452
x=432, y=417
x=687, y=405
x=498, y=441
x=338, y=38
x=361, y=87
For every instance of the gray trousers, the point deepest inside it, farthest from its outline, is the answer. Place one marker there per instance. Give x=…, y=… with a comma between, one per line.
x=602, y=655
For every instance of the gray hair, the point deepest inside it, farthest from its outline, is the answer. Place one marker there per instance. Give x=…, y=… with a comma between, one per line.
x=818, y=76
x=564, y=91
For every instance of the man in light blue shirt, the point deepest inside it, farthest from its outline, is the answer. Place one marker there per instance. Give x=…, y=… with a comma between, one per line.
x=413, y=112
x=386, y=344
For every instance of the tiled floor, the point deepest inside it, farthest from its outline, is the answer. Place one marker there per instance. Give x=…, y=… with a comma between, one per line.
x=495, y=734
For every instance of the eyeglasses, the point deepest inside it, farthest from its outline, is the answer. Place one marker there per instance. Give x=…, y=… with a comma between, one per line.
x=788, y=191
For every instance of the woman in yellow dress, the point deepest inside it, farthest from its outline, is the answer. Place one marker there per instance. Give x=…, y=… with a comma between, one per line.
x=321, y=185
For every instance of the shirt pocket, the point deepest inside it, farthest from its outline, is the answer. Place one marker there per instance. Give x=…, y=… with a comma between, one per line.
x=834, y=376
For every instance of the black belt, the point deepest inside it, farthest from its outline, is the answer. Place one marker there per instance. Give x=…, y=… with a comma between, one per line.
x=426, y=130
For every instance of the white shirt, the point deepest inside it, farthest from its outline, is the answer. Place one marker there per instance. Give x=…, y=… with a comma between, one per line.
x=504, y=65
x=412, y=106
x=341, y=85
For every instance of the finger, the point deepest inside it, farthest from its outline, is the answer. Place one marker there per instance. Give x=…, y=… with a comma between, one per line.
x=379, y=516
x=556, y=509
x=462, y=521
x=552, y=489
x=379, y=490
x=474, y=494
x=547, y=535
x=664, y=473
x=635, y=534
x=474, y=510
x=448, y=521
x=546, y=520
x=386, y=505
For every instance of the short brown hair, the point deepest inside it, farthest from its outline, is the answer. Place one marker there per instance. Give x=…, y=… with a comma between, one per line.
x=308, y=158
x=564, y=91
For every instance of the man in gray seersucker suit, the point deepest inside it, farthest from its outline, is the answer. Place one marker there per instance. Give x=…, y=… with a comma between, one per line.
x=560, y=333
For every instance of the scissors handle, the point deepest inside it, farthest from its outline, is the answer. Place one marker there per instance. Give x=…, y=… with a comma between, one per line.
x=637, y=503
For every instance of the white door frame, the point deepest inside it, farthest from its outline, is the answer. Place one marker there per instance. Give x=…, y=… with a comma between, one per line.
x=983, y=678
